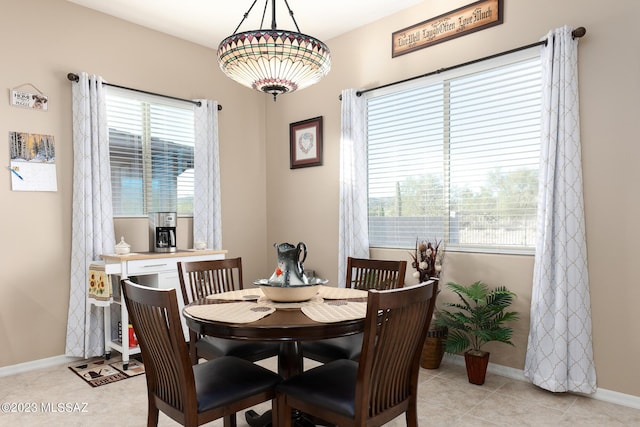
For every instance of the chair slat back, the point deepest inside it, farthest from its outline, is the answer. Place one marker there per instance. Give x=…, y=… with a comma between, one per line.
x=156, y=322
x=395, y=329
x=199, y=279
x=368, y=274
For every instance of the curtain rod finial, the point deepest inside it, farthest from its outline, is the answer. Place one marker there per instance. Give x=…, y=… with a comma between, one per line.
x=579, y=32
x=73, y=77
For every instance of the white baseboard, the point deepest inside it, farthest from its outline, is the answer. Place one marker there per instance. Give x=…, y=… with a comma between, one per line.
x=36, y=364
x=617, y=398
x=518, y=374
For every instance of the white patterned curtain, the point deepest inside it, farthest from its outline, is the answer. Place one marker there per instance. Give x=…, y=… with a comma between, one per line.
x=559, y=353
x=353, y=237
x=207, y=219
x=92, y=213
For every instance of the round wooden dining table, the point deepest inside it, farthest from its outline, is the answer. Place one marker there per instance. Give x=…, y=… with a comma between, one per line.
x=288, y=326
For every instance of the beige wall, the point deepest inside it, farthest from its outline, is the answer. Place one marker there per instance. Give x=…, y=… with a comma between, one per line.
x=40, y=42
x=266, y=202
x=609, y=74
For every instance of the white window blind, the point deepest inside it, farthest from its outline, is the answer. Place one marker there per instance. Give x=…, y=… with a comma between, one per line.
x=151, y=141
x=457, y=159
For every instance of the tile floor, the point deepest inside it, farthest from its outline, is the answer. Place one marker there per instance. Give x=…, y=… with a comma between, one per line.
x=445, y=399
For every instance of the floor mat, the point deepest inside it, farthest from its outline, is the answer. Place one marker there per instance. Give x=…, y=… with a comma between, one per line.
x=99, y=372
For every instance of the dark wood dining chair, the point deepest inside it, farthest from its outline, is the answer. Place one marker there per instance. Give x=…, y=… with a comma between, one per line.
x=384, y=383
x=189, y=394
x=361, y=274
x=199, y=279
x=376, y=274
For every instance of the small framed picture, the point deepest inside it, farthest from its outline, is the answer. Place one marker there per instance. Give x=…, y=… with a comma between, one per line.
x=305, y=140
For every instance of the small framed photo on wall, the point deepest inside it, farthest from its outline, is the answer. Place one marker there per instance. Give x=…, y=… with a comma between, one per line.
x=305, y=143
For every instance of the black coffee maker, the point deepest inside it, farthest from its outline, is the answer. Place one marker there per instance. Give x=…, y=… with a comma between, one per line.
x=162, y=231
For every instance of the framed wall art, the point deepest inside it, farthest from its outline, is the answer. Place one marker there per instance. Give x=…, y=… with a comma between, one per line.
x=33, y=162
x=305, y=143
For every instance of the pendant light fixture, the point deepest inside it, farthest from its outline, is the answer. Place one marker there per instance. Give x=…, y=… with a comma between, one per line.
x=271, y=60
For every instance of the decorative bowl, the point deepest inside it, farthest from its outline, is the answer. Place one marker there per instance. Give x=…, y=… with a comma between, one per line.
x=123, y=247
x=122, y=251
x=278, y=293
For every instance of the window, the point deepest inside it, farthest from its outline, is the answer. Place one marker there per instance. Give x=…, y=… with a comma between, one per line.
x=151, y=142
x=455, y=157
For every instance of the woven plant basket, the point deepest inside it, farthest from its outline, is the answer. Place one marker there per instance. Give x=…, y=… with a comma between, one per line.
x=433, y=349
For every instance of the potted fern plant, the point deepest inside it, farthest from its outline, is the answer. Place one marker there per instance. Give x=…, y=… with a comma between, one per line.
x=480, y=317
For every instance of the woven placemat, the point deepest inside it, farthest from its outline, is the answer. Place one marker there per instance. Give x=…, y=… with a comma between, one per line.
x=331, y=292
x=335, y=311
x=250, y=294
x=264, y=301
x=233, y=312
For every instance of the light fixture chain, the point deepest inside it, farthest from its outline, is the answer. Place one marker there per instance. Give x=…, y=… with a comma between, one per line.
x=264, y=13
x=245, y=16
x=274, y=26
x=291, y=15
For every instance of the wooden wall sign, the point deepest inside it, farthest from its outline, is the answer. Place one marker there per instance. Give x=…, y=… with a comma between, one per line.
x=35, y=101
x=462, y=21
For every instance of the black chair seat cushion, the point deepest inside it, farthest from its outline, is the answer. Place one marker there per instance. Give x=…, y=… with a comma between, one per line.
x=331, y=386
x=225, y=380
x=212, y=347
x=348, y=347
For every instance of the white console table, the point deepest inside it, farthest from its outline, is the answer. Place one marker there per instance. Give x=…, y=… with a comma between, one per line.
x=152, y=269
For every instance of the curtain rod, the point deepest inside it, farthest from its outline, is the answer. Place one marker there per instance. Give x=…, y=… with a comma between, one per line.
x=74, y=78
x=577, y=33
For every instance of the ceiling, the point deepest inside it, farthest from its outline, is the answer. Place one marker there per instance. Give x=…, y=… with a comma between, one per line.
x=207, y=22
